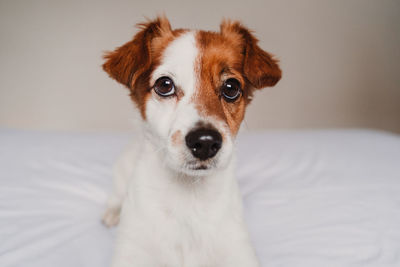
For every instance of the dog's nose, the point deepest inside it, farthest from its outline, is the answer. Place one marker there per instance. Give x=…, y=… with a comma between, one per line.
x=204, y=143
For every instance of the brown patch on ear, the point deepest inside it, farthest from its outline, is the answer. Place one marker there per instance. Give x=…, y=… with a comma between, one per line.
x=126, y=63
x=259, y=67
x=132, y=63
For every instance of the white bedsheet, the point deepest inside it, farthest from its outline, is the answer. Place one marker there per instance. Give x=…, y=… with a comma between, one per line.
x=312, y=198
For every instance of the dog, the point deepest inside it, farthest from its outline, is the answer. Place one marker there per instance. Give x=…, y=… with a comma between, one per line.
x=175, y=196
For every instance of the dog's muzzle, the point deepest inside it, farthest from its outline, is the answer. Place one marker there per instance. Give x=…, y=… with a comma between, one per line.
x=204, y=143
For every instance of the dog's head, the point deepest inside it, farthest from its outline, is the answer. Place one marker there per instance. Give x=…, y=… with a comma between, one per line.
x=192, y=88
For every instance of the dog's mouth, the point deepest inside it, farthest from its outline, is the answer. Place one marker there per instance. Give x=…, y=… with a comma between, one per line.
x=196, y=165
x=201, y=167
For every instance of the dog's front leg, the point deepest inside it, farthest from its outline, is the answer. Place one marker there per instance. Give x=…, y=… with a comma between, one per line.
x=122, y=173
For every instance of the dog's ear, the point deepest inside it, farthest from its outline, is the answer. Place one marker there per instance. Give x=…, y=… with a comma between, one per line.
x=259, y=67
x=126, y=63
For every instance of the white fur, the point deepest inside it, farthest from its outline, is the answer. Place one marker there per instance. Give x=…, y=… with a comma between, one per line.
x=173, y=215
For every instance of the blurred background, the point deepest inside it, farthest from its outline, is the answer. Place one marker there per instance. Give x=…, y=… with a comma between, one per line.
x=340, y=61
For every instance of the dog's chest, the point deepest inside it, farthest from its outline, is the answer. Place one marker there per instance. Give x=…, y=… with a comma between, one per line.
x=184, y=238
x=184, y=223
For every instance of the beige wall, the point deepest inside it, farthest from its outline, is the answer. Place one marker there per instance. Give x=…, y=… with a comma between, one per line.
x=340, y=60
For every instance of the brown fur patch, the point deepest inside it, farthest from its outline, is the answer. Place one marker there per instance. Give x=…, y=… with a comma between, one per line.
x=232, y=53
x=177, y=138
x=259, y=67
x=132, y=63
x=220, y=58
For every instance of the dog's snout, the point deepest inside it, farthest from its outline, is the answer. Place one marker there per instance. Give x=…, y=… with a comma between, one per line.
x=204, y=143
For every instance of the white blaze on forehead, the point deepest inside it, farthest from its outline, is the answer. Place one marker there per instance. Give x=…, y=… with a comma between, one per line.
x=178, y=63
x=168, y=115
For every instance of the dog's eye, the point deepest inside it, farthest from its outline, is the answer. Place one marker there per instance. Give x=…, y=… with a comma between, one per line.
x=231, y=90
x=164, y=86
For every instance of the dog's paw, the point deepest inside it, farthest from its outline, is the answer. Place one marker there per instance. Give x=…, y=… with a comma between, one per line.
x=111, y=217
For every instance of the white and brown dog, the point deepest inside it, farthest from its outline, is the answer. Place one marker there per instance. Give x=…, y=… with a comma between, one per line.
x=180, y=201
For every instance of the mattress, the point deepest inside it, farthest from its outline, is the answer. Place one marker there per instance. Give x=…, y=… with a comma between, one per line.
x=311, y=198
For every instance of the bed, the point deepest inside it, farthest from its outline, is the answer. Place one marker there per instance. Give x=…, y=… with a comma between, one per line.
x=311, y=198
